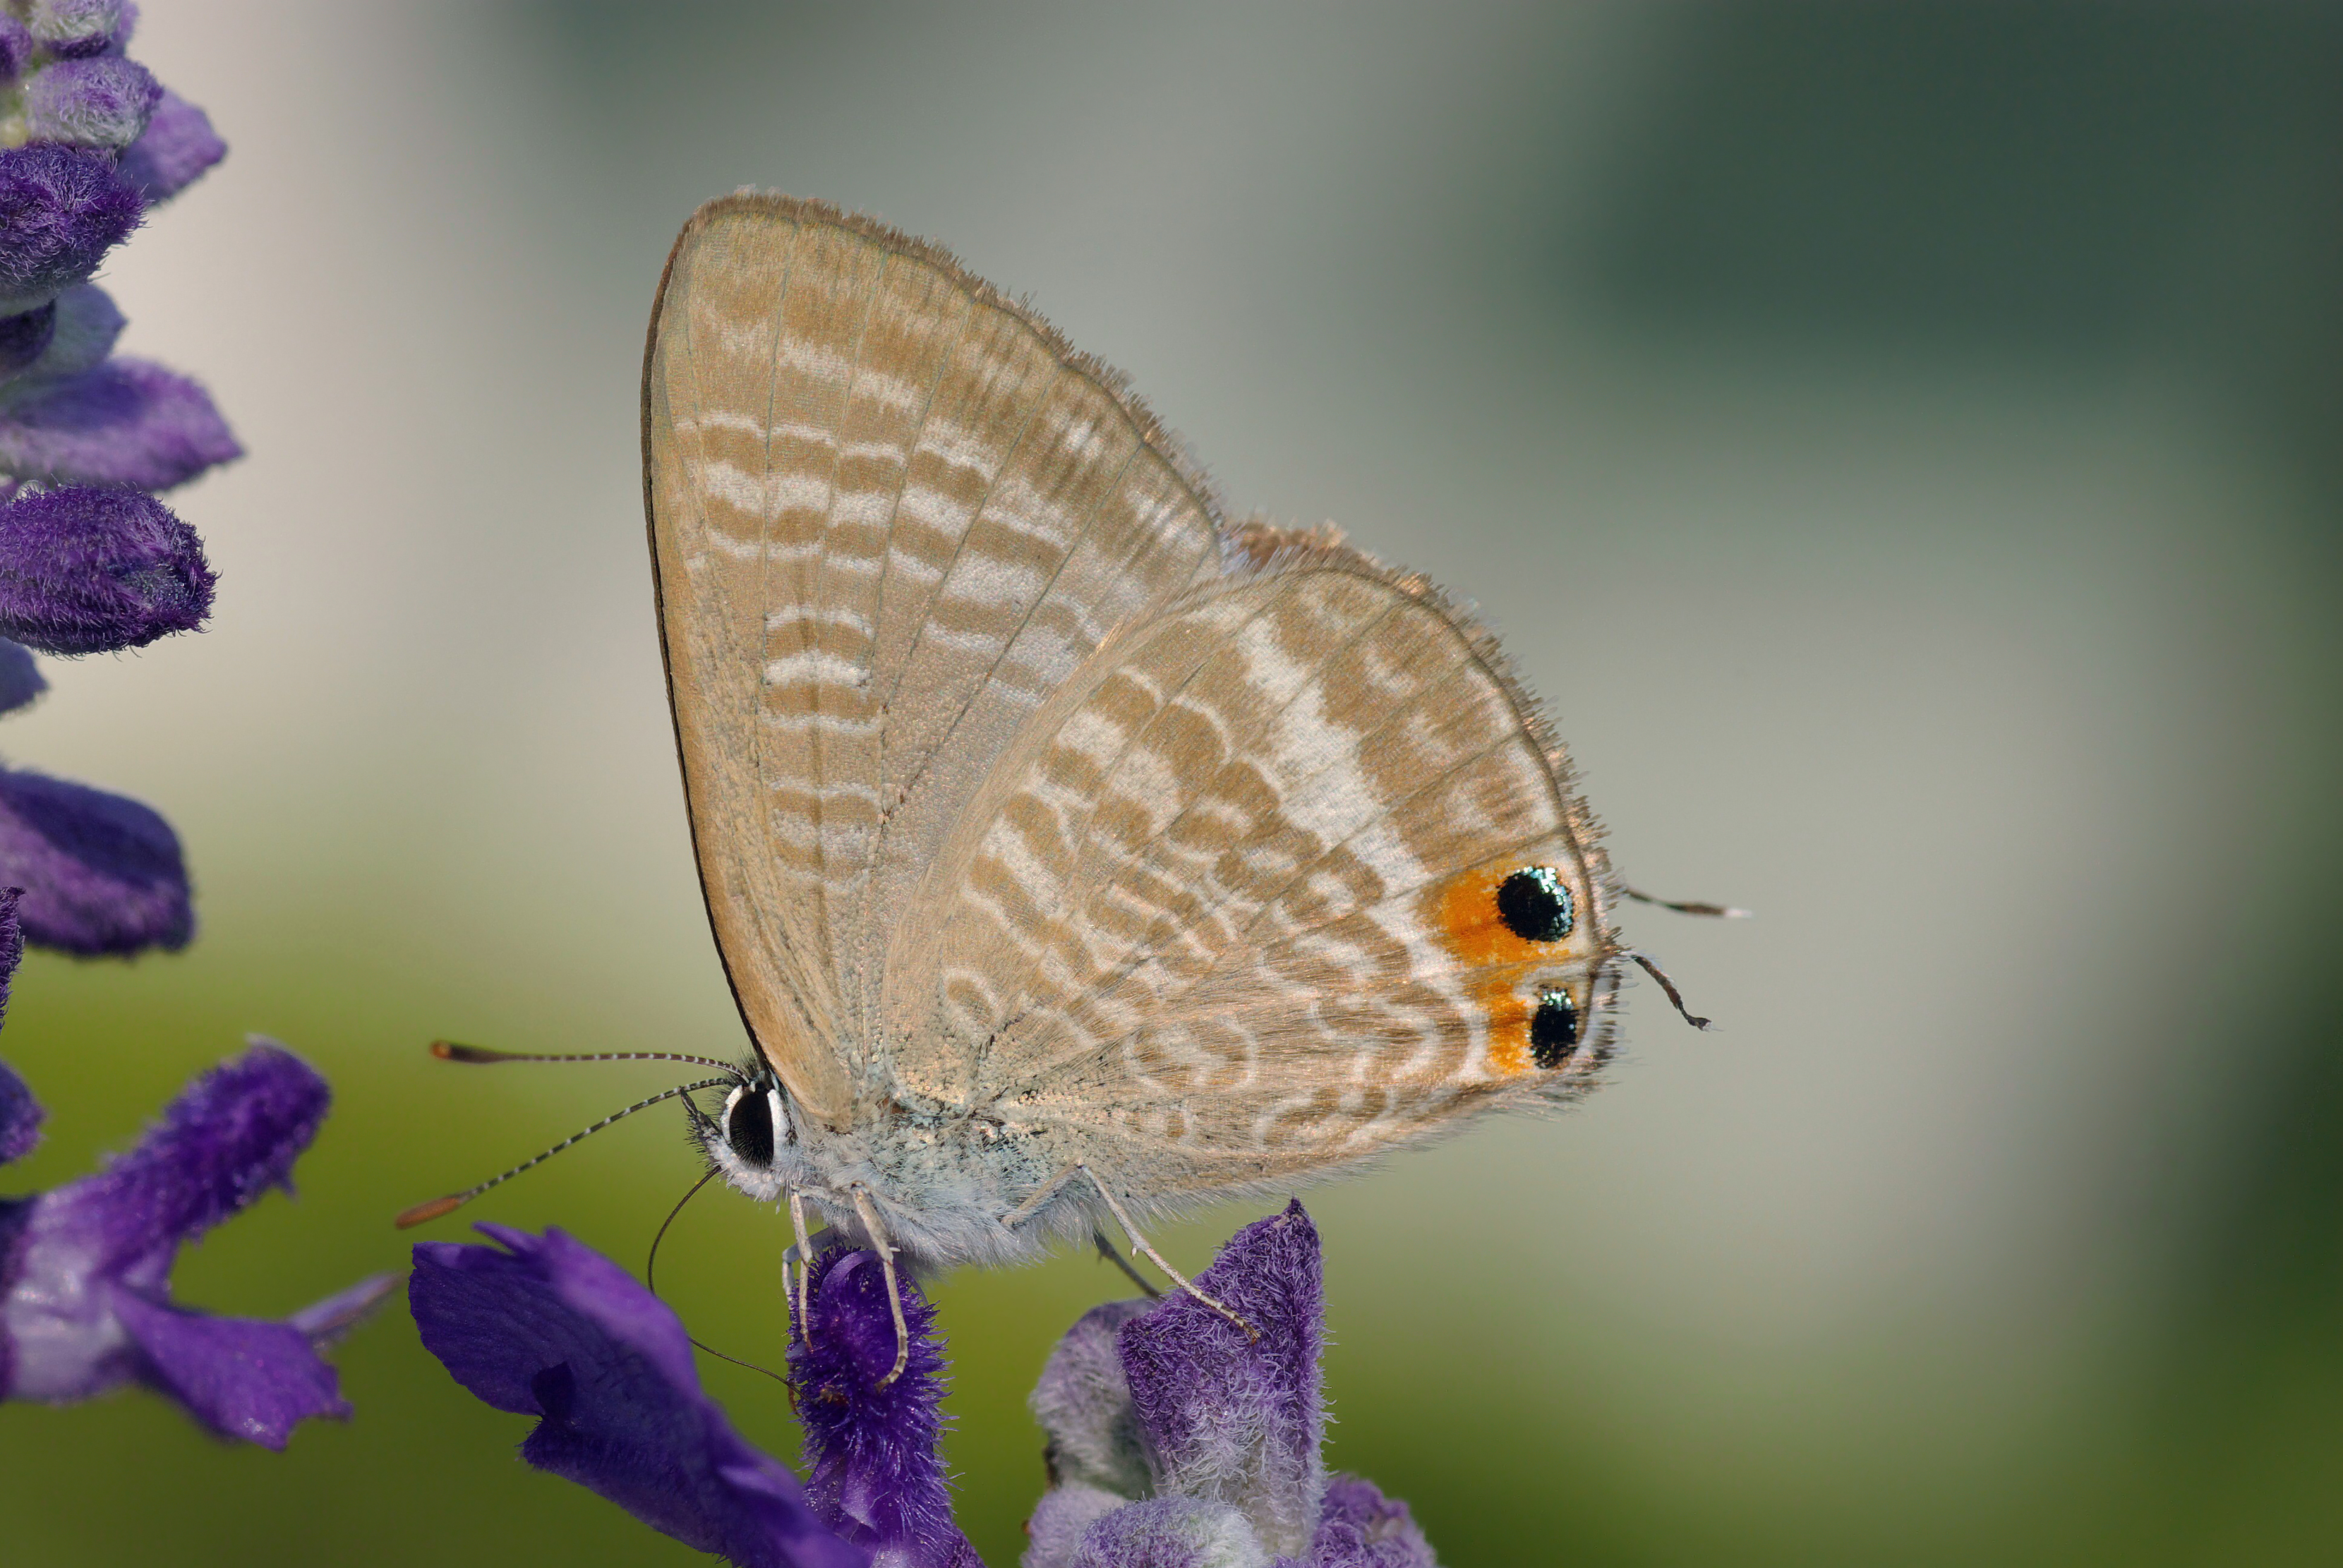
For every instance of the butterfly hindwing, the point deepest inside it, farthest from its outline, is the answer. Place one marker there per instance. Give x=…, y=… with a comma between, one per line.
x=1231, y=904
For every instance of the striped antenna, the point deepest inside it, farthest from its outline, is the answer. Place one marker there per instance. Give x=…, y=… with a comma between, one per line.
x=450, y=1050
x=422, y=1212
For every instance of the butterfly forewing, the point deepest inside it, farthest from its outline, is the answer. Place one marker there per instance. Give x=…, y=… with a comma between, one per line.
x=890, y=513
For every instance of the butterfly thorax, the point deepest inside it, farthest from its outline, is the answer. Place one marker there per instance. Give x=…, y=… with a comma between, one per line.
x=946, y=1179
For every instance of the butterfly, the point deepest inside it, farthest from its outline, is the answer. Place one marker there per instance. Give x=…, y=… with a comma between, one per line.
x=1073, y=853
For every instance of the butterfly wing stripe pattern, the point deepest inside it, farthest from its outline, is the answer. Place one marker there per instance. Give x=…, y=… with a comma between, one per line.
x=1229, y=905
x=890, y=512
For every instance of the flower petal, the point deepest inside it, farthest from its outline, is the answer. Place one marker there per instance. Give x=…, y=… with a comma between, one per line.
x=21, y=679
x=327, y=1321
x=20, y=1122
x=16, y=47
x=89, y=570
x=24, y=336
x=1361, y=1528
x=877, y=1478
x=178, y=149
x=552, y=1329
x=61, y=209
x=101, y=873
x=84, y=323
x=230, y=1136
x=20, y=1114
x=1170, y=1533
x=1083, y=1403
x=242, y=1377
x=126, y=423
x=1065, y=1514
x=1231, y=1420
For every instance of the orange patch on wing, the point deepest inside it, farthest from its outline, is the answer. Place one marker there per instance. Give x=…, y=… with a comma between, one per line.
x=1464, y=911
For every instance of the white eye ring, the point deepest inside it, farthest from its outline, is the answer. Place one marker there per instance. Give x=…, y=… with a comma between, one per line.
x=783, y=1133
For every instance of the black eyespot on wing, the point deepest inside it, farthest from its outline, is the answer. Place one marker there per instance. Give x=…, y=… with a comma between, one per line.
x=1535, y=904
x=1553, y=1028
x=748, y=1129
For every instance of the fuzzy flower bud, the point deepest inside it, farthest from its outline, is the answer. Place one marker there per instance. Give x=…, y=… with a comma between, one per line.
x=87, y=570
x=61, y=209
x=69, y=28
x=101, y=101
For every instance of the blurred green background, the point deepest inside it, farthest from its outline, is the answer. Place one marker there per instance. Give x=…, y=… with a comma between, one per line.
x=1901, y=443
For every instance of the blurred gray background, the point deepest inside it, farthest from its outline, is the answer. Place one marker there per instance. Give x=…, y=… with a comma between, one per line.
x=1898, y=441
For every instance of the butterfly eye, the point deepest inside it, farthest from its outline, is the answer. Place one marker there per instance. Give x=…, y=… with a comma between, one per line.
x=1535, y=904
x=749, y=1126
x=1553, y=1028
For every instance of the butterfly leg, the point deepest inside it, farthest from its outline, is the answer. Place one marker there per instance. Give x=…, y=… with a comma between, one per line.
x=802, y=1254
x=1107, y=1250
x=1139, y=1244
x=868, y=1212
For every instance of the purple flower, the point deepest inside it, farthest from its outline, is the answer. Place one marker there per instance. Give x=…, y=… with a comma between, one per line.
x=875, y=1477
x=85, y=570
x=102, y=874
x=20, y=677
x=85, y=1269
x=1178, y=1441
x=550, y=1328
x=99, y=102
x=179, y=145
x=126, y=423
x=61, y=209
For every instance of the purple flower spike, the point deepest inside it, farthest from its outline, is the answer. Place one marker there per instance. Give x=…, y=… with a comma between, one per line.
x=61, y=209
x=86, y=1269
x=69, y=28
x=85, y=570
x=877, y=1479
x=552, y=1329
x=102, y=874
x=20, y=677
x=24, y=336
x=1176, y=1441
x=126, y=423
x=178, y=147
x=1233, y=1420
x=101, y=101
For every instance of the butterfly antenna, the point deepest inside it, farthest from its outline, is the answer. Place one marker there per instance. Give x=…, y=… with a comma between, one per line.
x=650, y=1268
x=455, y=1201
x=1651, y=967
x=450, y=1050
x=1688, y=907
